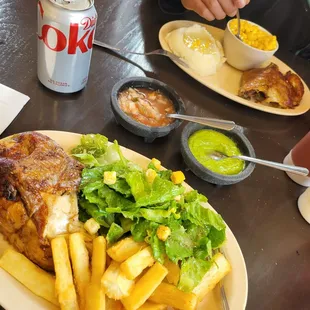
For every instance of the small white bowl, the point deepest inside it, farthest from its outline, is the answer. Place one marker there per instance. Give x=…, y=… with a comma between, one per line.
x=241, y=55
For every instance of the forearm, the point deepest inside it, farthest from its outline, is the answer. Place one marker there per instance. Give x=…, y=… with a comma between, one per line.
x=171, y=6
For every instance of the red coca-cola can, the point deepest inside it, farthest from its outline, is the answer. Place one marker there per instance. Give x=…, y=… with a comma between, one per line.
x=66, y=31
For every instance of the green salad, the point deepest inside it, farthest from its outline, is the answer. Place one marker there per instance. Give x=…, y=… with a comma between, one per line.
x=149, y=205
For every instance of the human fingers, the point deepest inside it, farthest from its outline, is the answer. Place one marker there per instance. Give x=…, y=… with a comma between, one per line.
x=228, y=7
x=200, y=8
x=215, y=8
x=240, y=3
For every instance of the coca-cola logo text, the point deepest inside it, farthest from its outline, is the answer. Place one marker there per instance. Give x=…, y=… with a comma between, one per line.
x=57, y=41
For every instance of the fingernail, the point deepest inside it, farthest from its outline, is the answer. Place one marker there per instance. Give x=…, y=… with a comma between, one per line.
x=240, y=3
x=232, y=14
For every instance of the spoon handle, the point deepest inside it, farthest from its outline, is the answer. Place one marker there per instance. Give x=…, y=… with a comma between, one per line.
x=293, y=169
x=239, y=24
x=212, y=122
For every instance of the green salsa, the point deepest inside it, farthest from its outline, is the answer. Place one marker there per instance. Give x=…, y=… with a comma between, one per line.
x=205, y=141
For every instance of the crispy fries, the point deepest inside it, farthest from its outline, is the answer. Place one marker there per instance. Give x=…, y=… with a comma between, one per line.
x=134, y=265
x=65, y=289
x=26, y=272
x=152, y=306
x=216, y=273
x=95, y=298
x=173, y=275
x=112, y=304
x=137, y=282
x=168, y=294
x=145, y=287
x=124, y=249
x=80, y=265
x=114, y=282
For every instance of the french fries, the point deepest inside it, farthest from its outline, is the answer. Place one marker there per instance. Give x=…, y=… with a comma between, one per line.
x=152, y=306
x=26, y=272
x=114, y=282
x=124, y=249
x=135, y=282
x=168, y=294
x=134, y=265
x=112, y=304
x=80, y=265
x=65, y=289
x=216, y=273
x=95, y=298
x=173, y=275
x=145, y=287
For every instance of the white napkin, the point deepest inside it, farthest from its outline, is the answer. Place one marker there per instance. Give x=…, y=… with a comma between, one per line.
x=11, y=103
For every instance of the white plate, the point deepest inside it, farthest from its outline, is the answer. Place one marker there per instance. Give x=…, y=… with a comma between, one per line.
x=14, y=296
x=227, y=80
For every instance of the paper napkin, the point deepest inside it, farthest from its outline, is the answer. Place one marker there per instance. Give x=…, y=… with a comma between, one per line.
x=11, y=103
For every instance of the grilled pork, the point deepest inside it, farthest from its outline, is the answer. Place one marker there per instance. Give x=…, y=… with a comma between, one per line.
x=38, y=186
x=269, y=86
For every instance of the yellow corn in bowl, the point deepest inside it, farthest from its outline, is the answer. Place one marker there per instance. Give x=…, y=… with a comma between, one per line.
x=256, y=46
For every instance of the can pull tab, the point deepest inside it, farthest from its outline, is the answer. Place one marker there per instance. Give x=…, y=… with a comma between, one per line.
x=73, y=4
x=64, y=1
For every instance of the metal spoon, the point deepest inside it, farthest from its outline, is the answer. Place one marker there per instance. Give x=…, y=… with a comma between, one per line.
x=293, y=169
x=160, y=52
x=239, y=26
x=212, y=122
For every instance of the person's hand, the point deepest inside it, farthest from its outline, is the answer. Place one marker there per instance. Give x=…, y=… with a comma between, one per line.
x=215, y=9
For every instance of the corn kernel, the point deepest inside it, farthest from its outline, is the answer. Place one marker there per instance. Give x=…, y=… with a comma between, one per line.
x=150, y=175
x=109, y=177
x=177, y=177
x=156, y=163
x=163, y=232
x=254, y=35
x=91, y=226
x=178, y=198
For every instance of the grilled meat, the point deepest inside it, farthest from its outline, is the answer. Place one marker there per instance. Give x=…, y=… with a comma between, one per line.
x=38, y=185
x=268, y=85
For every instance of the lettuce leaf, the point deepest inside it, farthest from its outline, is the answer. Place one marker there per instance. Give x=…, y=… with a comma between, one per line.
x=157, y=216
x=114, y=233
x=94, y=144
x=100, y=215
x=87, y=159
x=126, y=224
x=158, y=247
x=204, y=249
x=160, y=191
x=192, y=272
x=90, y=175
x=194, y=196
x=217, y=237
x=201, y=216
x=139, y=230
x=138, y=184
x=179, y=244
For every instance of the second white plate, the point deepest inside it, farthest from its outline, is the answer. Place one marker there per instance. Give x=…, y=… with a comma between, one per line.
x=227, y=80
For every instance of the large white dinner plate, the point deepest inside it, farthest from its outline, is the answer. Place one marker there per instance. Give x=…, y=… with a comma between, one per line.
x=227, y=80
x=14, y=296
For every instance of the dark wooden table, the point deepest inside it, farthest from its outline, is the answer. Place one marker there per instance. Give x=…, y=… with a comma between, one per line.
x=261, y=211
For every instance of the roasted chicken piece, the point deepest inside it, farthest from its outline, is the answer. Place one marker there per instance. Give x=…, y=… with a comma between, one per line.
x=38, y=186
x=269, y=86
